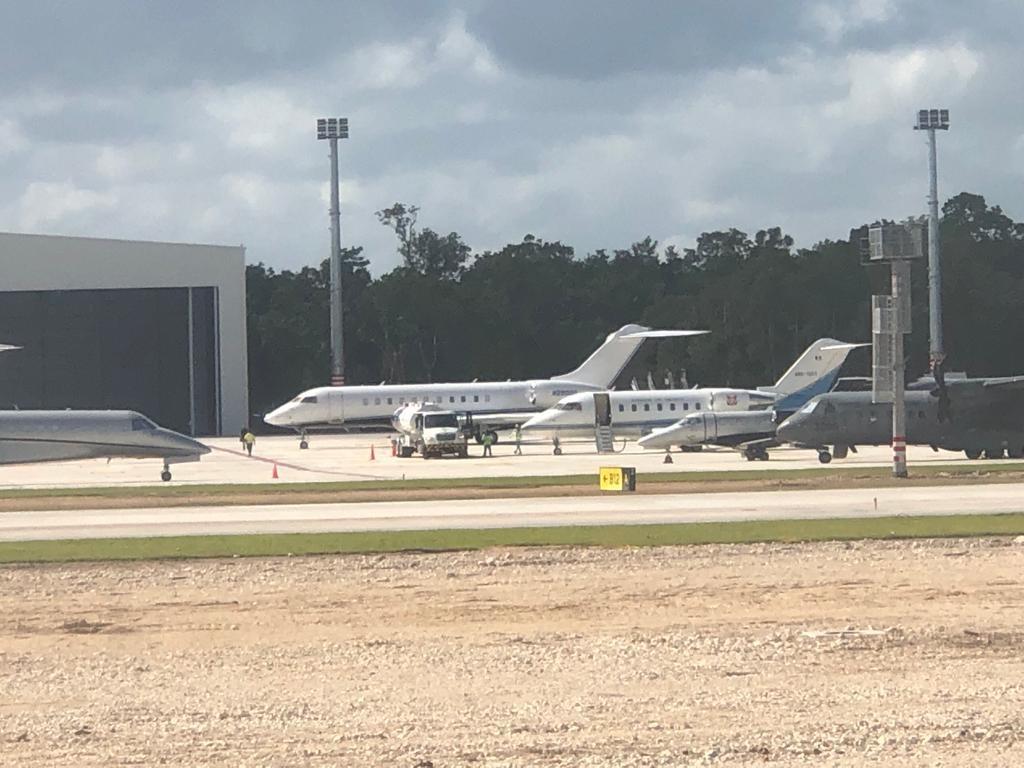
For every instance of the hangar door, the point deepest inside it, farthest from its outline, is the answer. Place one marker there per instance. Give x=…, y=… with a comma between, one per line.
x=148, y=349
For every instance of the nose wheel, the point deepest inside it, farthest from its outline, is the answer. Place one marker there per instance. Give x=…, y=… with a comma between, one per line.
x=558, y=447
x=166, y=474
x=303, y=442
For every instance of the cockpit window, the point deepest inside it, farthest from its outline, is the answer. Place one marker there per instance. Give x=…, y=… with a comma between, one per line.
x=809, y=408
x=309, y=399
x=142, y=424
x=569, y=407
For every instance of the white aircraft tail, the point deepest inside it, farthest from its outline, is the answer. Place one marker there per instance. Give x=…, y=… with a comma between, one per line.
x=607, y=361
x=813, y=373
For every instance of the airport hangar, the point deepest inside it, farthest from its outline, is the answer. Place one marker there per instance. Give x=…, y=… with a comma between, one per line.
x=154, y=327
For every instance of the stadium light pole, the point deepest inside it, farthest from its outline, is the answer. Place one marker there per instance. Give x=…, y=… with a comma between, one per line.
x=932, y=120
x=332, y=129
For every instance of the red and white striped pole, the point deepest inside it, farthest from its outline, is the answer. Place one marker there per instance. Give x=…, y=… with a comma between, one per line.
x=899, y=456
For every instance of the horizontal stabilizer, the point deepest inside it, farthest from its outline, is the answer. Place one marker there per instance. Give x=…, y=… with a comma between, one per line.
x=661, y=334
x=603, y=367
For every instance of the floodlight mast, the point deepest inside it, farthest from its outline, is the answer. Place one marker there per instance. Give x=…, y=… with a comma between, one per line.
x=332, y=129
x=932, y=120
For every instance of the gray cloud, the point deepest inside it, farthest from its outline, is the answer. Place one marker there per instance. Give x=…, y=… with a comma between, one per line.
x=592, y=123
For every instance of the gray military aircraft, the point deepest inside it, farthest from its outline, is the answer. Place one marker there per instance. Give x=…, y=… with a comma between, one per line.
x=27, y=437
x=981, y=417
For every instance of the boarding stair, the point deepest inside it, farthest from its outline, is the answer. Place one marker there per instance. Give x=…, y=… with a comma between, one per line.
x=605, y=439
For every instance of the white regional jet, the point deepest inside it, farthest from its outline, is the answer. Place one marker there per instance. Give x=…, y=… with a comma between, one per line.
x=491, y=405
x=636, y=413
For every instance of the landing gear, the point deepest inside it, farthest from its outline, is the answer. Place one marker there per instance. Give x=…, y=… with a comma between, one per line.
x=166, y=474
x=756, y=454
x=1015, y=453
x=558, y=446
x=303, y=442
x=993, y=453
x=668, y=456
x=824, y=457
x=840, y=451
x=973, y=453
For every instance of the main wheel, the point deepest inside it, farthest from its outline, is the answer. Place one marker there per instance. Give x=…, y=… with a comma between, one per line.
x=557, y=451
x=824, y=457
x=1015, y=453
x=303, y=444
x=973, y=453
x=840, y=451
x=993, y=453
x=165, y=475
x=762, y=455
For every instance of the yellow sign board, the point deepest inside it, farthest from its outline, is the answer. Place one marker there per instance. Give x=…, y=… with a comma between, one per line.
x=611, y=478
x=617, y=478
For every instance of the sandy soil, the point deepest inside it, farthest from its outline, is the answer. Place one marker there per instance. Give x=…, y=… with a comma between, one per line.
x=892, y=653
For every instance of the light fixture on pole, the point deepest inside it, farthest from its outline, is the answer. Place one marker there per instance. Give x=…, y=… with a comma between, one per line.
x=332, y=129
x=897, y=245
x=932, y=120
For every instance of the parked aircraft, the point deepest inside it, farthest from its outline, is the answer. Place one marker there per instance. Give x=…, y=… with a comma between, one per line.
x=981, y=417
x=751, y=432
x=27, y=437
x=490, y=405
x=637, y=413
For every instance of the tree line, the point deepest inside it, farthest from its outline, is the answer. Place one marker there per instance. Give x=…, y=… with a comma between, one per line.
x=535, y=308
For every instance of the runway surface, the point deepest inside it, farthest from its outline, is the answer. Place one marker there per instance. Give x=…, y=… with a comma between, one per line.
x=340, y=458
x=512, y=513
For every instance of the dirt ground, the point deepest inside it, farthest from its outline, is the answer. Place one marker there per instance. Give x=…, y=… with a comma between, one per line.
x=889, y=653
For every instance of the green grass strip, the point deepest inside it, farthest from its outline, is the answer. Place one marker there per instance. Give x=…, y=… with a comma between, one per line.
x=450, y=540
x=974, y=470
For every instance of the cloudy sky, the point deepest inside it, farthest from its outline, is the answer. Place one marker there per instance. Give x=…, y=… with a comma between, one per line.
x=588, y=121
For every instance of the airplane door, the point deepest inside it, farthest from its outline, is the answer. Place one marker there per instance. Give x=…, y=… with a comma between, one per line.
x=335, y=407
x=602, y=409
x=710, y=426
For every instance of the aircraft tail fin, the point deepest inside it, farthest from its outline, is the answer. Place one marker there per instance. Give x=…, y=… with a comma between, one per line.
x=813, y=373
x=606, y=362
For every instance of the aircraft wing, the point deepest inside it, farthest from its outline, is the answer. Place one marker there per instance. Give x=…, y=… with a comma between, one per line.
x=502, y=420
x=662, y=334
x=1004, y=383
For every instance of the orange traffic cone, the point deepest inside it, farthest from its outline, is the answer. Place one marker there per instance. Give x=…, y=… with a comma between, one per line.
x=273, y=475
x=372, y=457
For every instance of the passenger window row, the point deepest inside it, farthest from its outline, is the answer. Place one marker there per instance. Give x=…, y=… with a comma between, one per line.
x=684, y=406
x=434, y=399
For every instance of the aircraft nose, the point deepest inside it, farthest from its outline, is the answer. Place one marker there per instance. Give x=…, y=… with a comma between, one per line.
x=176, y=444
x=279, y=416
x=538, y=420
x=790, y=430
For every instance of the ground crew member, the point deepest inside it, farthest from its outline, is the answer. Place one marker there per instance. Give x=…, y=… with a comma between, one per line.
x=241, y=436
x=519, y=437
x=488, y=440
x=248, y=439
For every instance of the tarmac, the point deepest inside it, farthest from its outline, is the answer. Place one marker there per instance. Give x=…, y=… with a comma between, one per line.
x=347, y=457
x=528, y=512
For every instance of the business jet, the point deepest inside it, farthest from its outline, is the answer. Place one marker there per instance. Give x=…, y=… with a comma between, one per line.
x=30, y=437
x=487, y=405
x=637, y=413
